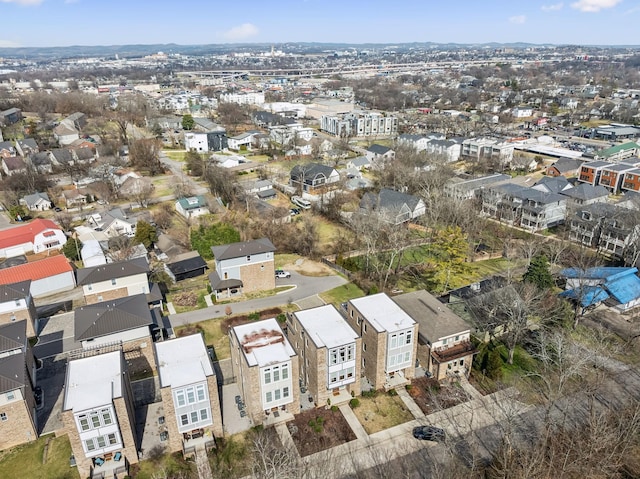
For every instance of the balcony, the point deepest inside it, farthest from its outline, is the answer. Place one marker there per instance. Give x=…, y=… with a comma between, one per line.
x=460, y=350
x=109, y=465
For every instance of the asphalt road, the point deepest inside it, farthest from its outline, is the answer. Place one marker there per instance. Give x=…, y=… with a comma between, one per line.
x=305, y=286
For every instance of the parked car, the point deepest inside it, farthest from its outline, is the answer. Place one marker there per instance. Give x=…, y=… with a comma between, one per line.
x=282, y=274
x=429, y=433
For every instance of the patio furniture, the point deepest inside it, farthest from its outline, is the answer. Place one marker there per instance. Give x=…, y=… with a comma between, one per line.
x=108, y=456
x=98, y=461
x=117, y=456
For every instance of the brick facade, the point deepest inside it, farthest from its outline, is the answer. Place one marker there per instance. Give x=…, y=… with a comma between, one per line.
x=106, y=295
x=258, y=277
x=139, y=355
x=19, y=314
x=19, y=426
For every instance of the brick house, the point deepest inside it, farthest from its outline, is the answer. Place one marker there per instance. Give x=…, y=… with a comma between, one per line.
x=612, y=176
x=114, y=280
x=444, y=338
x=567, y=167
x=189, y=393
x=17, y=379
x=243, y=267
x=267, y=370
x=389, y=344
x=329, y=352
x=631, y=181
x=590, y=172
x=118, y=323
x=98, y=415
x=16, y=304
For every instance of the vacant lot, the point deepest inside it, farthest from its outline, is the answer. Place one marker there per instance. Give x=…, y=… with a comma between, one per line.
x=430, y=396
x=319, y=429
x=28, y=460
x=381, y=411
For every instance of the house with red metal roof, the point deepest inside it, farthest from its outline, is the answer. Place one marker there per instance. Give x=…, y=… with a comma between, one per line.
x=48, y=276
x=35, y=237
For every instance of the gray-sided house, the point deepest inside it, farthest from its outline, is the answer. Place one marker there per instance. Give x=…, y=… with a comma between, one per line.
x=393, y=206
x=189, y=393
x=313, y=177
x=114, y=280
x=17, y=380
x=37, y=202
x=98, y=415
x=243, y=267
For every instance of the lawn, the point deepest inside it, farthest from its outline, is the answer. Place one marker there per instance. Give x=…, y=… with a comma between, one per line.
x=175, y=155
x=26, y=460
x=163, y=185
x=341, y=294
x=164, y=465
x=381, y=411
x=213, y=336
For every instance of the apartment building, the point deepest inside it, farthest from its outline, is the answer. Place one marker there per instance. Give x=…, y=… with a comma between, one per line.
x=267, y=370
x=389, y=340
x=189, y=393
x=17, y=380
x=98, y=415
x=329, y=352
x=359, y=124
x=16, y=304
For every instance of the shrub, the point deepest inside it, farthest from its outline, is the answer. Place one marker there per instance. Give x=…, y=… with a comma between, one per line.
x=317, y=424
x=373, y=289
x=409, y=387
x=370, y=394
x=334, y=408
x=354, y=403
x=392, y=392
x=281, y=318
x=255, y=316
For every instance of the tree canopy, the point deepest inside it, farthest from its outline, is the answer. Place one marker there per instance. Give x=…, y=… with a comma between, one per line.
x=203, y=238
x=538, y=273
x=188, y=122
x=145, y=234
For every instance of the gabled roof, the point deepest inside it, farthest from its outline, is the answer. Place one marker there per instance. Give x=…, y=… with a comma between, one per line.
x=13, y=336
x=28, y=143
x=36, y=270
x=193, y=202
x=389, y=200
x=33, y=199
x=186, y=262
x=617, y=148
x=12, y=372
x=14, y=291
x=566, y=164
x=14, y=163
x=25, y=233
x=622, y=284
x=62, y=155
x=242, y=248
x=310, y=171
x=7, y=145
x=585, y=191
x=360, y=161
x=40, y=159
x=113, y=316
x=105, y=272
x=553, y=184
x=435, y=320
x=84, y=154
x=378, y=149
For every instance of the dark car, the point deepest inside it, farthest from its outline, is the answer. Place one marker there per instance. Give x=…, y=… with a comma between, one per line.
x=37, y=395
x=429, y=433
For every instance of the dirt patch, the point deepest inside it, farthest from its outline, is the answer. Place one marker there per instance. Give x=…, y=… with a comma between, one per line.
x=230, y=322
x=319, y=429
x=378, y=411
x=431, y=396
x=307, y=267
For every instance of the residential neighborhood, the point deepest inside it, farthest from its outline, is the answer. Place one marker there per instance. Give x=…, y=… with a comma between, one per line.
x=344, y=260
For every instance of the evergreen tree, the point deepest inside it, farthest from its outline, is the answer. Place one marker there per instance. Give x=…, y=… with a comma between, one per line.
x=538, y=273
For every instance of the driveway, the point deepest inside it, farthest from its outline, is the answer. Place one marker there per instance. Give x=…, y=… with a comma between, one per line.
x=5, y=223
x=304, y=287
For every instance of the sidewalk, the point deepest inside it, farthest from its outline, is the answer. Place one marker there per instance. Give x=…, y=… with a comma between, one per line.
x=354, y=424
x=409, y=402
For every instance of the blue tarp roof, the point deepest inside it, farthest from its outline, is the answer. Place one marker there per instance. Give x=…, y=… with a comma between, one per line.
x=605, y=273
x=592, y=295
x=624, y=289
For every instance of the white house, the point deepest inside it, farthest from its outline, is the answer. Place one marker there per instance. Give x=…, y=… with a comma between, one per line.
x=192, y=206
x=37, y=236
x=114, y=280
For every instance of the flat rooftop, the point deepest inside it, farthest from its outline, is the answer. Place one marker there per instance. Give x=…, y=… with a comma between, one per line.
x=383, y=314
x=326, y=327
x=93, y=382
x=263, y=343
x=183, y=361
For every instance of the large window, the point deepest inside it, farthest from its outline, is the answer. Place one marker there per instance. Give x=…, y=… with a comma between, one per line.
x=341, y=354
x=275, y=373
x=100, y=442
x=190, y=395
x=95, y=419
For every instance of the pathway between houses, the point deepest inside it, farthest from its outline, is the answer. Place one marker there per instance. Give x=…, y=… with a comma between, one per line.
x=351, y=418
x=202, y=464
x=410, y=403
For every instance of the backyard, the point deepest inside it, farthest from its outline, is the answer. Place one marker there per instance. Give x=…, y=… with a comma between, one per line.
x=378, y=411
x=432, y=396
x=319, y=429
x=31, y=461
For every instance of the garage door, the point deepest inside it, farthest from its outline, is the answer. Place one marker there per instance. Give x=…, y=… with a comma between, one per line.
x=14, y=251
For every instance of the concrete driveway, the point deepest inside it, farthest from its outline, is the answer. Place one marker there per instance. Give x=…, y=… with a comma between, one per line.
x=305, y=286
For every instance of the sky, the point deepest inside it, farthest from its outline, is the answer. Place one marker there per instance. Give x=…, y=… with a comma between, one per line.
x=48, y=23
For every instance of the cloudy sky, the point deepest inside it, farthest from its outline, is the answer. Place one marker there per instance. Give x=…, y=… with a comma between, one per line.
x=116, y=22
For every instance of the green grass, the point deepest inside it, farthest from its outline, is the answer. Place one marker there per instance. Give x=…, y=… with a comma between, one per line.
x=175, y=155
x=213, y=336
x=381, y=411
x=341, y=294
x=26, y=460
x=165, y=465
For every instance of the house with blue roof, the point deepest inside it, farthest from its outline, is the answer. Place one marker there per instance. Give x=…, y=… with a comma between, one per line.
x=619, y=288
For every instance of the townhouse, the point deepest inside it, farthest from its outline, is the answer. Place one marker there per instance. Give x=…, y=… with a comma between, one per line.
x=329, y=353
x=114, y=280
x=612, y=176
x=16, y=304
x=467, y=189
x=479, y=148
x=189, y=392
x=360, y=124
x=445, y=349
x=267, y=369
x=243, y=267
x=590, y=172
x=98, y=415
x=389, y=340
x=18, y=421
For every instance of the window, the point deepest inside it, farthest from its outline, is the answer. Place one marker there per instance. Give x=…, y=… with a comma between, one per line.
x=184, y=419
x=89, y=445
x=11, y=396
x=204, y=414
x=408, y=337
x=394, y=341
x=365, y=327
x=106, y=417
x=277, y=394
x=285, y=392
x=194, y=416
x=90, y=287
x=200, y=392
x=269, y=396
x=444, y=341
x=95, y=420
x=17, y=302
x=101, y=442
x=113, y=281
x=276, y=374
x=84, y=423
x=457, y=338
x=100, y=299
x=334, y=356
x=462, y=362
x=267, y=376
x=364, y=346
x=180, y=398
x=191, y=396
x=407, y=356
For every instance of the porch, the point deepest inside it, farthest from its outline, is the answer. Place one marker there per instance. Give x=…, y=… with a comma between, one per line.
x=109, y=465
x=197, y=440
x=276, y=416
x=395, y=380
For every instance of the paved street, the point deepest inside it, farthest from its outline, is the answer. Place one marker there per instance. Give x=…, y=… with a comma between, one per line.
x=306, y=286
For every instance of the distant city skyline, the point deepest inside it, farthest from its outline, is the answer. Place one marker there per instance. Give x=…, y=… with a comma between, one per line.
x=50, y=23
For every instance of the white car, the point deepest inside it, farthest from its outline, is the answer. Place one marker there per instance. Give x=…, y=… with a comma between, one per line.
x=282, y=274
